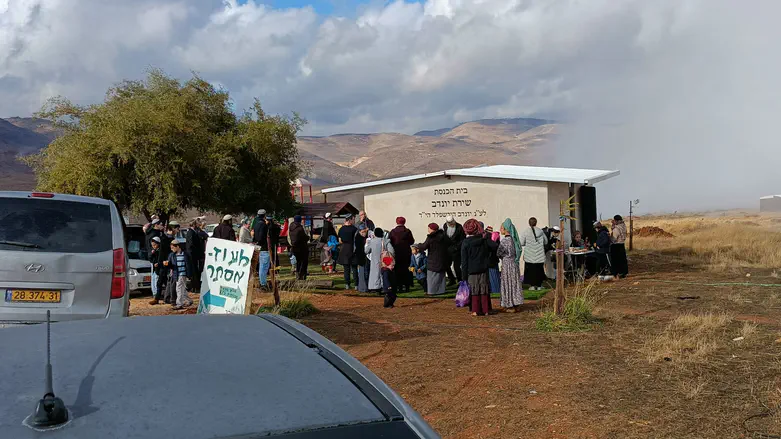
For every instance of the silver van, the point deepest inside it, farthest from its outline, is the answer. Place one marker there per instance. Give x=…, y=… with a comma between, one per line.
x=65, y=253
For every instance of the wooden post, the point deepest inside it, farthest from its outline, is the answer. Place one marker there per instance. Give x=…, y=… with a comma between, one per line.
x=565, y=213
x=558, y=300
x=274, y=287
x=250, y=288
x=248, y=303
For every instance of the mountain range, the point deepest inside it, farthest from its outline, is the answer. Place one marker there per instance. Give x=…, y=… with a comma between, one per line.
x=345, y=158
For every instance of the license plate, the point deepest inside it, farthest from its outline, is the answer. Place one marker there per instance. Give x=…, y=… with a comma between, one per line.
x=147, y=278
x=34, y=296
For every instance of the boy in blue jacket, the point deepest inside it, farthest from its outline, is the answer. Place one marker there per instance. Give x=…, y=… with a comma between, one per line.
x=181, y=270
x=417, y=266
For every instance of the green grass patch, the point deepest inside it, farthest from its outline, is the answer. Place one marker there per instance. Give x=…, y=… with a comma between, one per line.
x=577, y=315
x=293, y=308
x=416, y=292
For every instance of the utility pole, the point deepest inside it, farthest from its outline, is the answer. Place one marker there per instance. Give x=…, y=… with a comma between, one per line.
x=565, y=210
x=632, y=204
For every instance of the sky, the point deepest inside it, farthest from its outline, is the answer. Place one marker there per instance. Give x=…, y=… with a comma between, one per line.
x=681, y=96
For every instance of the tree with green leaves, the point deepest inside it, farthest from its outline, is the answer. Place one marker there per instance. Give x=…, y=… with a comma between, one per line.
x=161, y=145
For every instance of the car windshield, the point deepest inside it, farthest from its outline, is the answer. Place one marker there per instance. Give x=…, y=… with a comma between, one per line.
x=54, y=226
x=136, y=243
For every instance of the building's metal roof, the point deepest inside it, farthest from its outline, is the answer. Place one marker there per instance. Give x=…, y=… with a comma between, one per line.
x=320, y=209
x=768, y=197
x=533, y=173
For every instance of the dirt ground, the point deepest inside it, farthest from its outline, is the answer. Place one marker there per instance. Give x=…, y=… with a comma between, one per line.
x=499, y=377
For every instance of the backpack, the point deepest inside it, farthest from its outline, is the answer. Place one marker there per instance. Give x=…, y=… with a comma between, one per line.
x=387, y=261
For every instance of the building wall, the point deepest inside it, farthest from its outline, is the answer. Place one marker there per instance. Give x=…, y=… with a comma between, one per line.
x=430, y=200
x=770, y=204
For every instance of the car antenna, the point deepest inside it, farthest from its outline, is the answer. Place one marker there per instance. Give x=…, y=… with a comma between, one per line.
x=50, y=411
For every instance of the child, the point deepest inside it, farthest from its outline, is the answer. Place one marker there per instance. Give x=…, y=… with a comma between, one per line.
x=418, y=268
x=293, y=262
x=577, y=241
x=154, y=259
x=328, y=257
x=181, y=270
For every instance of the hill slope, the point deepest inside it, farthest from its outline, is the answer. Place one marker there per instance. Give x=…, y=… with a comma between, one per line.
x=489, y=141
x=344, y=158
x=19, y=139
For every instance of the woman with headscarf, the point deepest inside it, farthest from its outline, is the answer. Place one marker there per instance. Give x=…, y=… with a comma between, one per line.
x=379, y=279
x=533, y=241
x=510, y=253
x=494, y=277
x=438, y=246
x=401, y=238
x=617, y=248
x=475, y=258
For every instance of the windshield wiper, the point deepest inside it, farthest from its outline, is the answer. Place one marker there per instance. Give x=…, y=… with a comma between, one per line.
x=20, y=244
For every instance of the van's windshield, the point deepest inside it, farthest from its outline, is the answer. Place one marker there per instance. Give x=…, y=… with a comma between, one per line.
x=43, y=225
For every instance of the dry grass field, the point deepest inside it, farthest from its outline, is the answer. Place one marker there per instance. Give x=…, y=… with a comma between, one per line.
x=717, y=241
x=688, y=346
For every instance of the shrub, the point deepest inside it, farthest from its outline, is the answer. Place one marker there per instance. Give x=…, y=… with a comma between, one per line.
x=295, y=307
x=578, y=312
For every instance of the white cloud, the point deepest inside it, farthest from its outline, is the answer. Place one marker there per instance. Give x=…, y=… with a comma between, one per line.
x=693, y=81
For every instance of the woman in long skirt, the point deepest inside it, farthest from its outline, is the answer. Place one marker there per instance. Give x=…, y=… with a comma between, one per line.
x=533, y=241
x=618, y=262
x=373, y=249
x=494, y=277
x=438, y=247
x=379, y=278
x=475, y=253
x=510, y=253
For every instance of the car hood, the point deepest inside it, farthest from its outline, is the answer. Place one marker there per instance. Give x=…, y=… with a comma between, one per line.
x=175, y=376
x=138, y=263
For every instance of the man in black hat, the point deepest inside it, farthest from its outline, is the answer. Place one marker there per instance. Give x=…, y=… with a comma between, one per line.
x=299, y=246
x=260, y=236
x=196, y=251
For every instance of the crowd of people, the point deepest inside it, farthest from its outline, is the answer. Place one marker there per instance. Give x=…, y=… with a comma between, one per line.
x=177, y=260
x=486, y=261
x=389, y=262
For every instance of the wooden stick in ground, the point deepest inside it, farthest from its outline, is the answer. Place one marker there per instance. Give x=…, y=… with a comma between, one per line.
x=250, y=287
x=558, y=300
x=275, y=287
